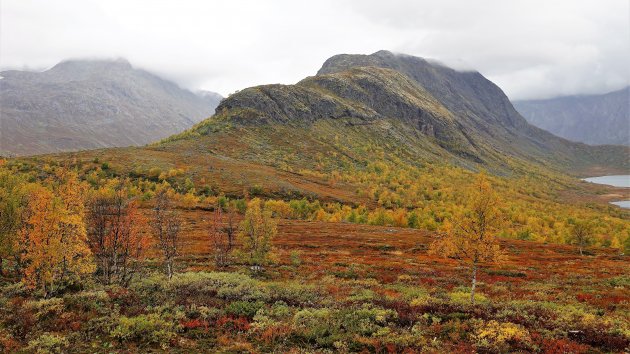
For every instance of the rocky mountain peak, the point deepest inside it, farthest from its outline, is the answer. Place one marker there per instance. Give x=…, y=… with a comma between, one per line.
x=467, y=93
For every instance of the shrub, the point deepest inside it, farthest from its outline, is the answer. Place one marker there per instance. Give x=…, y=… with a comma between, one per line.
x=461, y=297
x=497, y=336
x=302, y=209
x=87, y=301
x=405, y=278
x=327, y=326
x=151, y=329
x=244, y=308
x=270, y=318
x=507, y=273
x=366, y=320
x=228, y=286
x=231, y=324
x=8, y=344
x=408, y=292
x=45, y=308
x=293, y=293
x=362, y=295
x=296, y=260
x=48, y=343
x=278, y=208
x=563, y=346
x=202, y=312
x=421, y=300
x=317, y=325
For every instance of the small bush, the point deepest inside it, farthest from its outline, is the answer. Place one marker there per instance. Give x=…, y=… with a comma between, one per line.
x=463, y=297
x=317, y=325
x=87, y=301
x=244, y=308
x=507, y=273
x=296, y=260
x=45, y=308
x=293, y=293
x=227, y=286
x=362, y=295
x=271, y=318
x=151, y=329
x=48, y=343
x=405, y=278
x=498, y=336
x=366, y=320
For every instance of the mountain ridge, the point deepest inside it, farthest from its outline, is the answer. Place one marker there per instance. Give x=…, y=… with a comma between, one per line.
x=592, y=119
x=384, y=85
x=87, y=104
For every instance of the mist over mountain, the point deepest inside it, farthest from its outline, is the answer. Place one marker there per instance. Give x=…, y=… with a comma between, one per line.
x=87, y=104
x=423, y=108
x=592, y=119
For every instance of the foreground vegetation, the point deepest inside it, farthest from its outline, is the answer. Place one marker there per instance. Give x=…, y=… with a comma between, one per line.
x=237, y=312
x=93, y=262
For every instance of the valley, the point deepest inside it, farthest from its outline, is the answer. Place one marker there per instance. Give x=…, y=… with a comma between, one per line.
x=386, y=204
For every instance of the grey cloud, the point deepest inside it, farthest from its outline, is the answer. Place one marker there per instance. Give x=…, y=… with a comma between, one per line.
x=532, y=49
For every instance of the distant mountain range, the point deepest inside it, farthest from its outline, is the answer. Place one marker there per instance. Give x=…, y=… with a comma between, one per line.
x=592, y=119
x=87, y=104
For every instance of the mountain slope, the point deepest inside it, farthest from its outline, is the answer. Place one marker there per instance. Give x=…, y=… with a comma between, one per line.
x=92, y=104
x=481, y=106
x=592, y=119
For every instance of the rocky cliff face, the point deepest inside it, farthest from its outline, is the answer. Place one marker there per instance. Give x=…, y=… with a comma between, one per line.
x=592, y=119
x=92, y=104
x=465, y=93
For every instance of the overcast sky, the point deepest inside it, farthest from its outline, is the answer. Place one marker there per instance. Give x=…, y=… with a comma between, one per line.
x=530, y=48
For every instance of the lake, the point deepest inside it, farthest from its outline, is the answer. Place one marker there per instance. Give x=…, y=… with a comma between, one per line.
x=615, y=181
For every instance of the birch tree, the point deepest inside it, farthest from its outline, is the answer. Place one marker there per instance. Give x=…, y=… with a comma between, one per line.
x=471, y=238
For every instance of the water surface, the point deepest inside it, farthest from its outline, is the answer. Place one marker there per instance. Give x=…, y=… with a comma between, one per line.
x=624, y=204
x=615, y=181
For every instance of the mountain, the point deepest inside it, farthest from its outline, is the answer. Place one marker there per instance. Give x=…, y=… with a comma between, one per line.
x=592, y=119
x=425, y=108
x=289, y=140
x=87, y=104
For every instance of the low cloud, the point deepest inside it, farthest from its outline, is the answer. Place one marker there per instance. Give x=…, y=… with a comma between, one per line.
x=531, y=49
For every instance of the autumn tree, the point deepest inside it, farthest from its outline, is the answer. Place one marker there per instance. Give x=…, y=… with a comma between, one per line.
x=256, y=233
x=581, y=234
x=12, y=202
x=166, y=227
x=219, y=239
x=223, y=230
x=53, y=239
x=230, y=225
x=76, y=254
x=115, y=233
x=471, y=238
